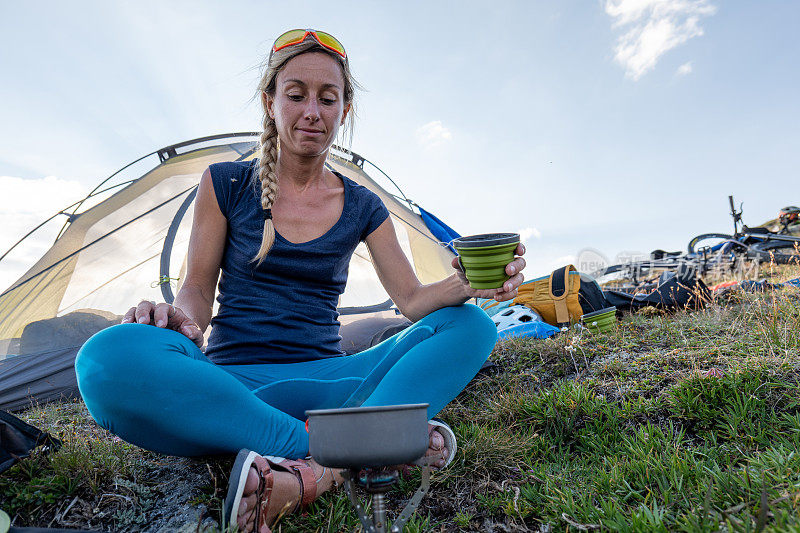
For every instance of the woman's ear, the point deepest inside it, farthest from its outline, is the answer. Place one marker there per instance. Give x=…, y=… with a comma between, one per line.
x=269, y=104
x=344, y=115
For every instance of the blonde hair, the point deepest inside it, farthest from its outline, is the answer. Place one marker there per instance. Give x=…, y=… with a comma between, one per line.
x=265, y=175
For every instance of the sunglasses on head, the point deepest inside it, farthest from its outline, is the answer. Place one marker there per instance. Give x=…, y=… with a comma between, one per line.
x=326, y=40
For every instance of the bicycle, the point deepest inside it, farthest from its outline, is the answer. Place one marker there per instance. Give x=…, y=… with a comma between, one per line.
x=759, y=243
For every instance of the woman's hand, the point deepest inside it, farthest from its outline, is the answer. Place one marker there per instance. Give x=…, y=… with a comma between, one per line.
x=164, y=316
x=509, y=288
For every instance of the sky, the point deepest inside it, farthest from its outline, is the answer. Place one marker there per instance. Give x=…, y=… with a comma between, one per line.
x=619, y=126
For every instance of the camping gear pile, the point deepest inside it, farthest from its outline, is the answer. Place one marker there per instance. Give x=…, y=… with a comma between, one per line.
x=775, y=242
x=567, y=297
x=556, y=301
x=668, y=280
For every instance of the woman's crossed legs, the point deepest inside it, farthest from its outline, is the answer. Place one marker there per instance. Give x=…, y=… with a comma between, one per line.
x=154, y=388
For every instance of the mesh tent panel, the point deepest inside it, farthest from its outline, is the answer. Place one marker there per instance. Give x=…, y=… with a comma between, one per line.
x=121, y=269
x=40, y=293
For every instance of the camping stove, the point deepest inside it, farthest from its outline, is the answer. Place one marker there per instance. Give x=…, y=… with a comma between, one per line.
x=369, y=443
x=376, y=482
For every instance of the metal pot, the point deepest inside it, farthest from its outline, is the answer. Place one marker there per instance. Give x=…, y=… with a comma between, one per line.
x=368, y=437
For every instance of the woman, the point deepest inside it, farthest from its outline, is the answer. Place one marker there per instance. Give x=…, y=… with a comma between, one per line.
x=281, y=229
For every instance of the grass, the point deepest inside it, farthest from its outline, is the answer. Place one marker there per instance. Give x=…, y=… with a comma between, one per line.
x=673, y=422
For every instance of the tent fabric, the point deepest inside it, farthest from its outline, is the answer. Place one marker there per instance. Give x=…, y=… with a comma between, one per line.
x=46, y=372
x=440, y=230
x=38, y=378
x=132, y=246
x=367, y=332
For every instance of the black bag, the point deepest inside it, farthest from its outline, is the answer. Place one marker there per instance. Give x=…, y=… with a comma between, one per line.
x=18, y=439
x=673, y=291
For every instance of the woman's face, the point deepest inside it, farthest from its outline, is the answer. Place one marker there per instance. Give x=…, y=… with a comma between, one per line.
x=308, y=106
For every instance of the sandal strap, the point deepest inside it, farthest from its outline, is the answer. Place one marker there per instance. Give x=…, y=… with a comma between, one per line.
x=306, y=477
x=265, y=483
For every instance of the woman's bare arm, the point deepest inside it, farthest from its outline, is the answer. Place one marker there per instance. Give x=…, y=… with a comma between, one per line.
x=191, y=312
x=206, y=244
x=411, y=297
x=416, y=300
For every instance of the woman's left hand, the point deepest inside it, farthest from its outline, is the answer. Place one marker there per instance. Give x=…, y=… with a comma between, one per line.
x=509, y=289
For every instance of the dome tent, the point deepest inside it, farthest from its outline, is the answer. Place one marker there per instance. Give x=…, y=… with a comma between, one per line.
x=132, y=245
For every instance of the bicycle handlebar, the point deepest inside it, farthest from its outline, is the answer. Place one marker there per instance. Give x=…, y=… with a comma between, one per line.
x=736, y=215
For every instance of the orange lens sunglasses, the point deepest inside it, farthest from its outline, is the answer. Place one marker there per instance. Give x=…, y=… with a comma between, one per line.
x=326, y=40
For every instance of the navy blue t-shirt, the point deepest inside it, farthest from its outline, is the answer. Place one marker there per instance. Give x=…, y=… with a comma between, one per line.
x=283, y=310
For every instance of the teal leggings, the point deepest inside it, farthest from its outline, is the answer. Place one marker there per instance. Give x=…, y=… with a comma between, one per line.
x=154, y=388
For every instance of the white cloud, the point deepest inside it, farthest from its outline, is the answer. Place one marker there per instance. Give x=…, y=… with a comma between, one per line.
x=527, y=233
x=652, y=28
x=560, y=262
x=684, y=69
x=26, y=204
x=433, y=134
x=38, y=196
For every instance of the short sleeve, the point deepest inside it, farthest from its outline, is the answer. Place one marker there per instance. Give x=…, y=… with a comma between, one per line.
x=222, y=186
x=374, y=214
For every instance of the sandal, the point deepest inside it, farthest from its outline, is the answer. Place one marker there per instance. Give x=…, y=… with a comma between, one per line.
x=307, y=478
x=247, y=459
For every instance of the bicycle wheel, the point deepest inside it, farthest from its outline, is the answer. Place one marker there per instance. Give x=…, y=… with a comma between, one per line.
x=713, y=239
x=780, y=253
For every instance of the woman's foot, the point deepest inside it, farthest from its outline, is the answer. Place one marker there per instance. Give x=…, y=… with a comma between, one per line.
x=437, y=449
x=441, y=446
x=285, y=494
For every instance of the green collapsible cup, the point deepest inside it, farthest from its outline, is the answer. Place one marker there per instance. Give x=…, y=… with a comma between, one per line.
x=600, y=321
x=484, y=258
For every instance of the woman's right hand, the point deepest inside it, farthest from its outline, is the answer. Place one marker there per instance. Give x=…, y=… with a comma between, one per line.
x=164, y=315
